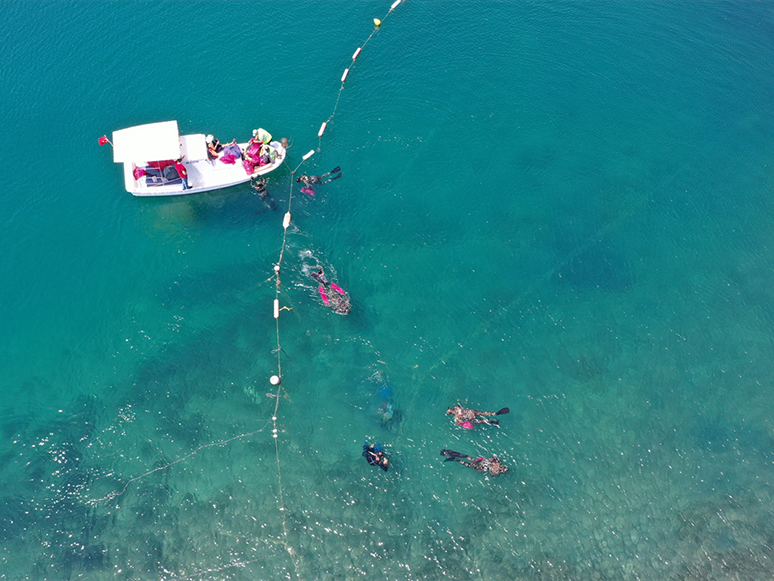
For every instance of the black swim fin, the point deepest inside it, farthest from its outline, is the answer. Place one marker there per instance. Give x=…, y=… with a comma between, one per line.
x=452, y=455
x=503, y=411
x=335, y=169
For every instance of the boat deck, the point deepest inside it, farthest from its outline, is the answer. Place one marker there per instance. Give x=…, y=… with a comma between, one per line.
x=203, y=176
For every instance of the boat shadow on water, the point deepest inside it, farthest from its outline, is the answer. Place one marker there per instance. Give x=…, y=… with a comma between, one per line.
x=234, y=208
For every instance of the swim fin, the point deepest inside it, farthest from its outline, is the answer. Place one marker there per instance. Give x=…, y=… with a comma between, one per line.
x=324, y=296
x=503, y=411
x=452, y=455
x=335, y=169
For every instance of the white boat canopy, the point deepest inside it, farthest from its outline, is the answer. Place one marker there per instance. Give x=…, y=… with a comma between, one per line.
x=194, y=147
x=143, y=143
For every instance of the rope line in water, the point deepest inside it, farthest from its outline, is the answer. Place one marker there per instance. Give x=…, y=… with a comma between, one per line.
x=278, y=289
x=344, y=76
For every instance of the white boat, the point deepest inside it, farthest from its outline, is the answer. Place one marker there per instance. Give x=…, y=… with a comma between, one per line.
x=147, y=150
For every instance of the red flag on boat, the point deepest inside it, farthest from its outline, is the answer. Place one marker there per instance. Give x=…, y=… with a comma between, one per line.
x=103, y=140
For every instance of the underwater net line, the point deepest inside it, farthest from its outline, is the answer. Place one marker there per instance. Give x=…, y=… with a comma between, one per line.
x=275, y=380
x=116, y=494
x=548, y=275
x=232, y=565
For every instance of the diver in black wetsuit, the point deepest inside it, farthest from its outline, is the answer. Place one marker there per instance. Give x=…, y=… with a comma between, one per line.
x=309, y=181
x=374, y=455
x=314, y=180
x=259, y=187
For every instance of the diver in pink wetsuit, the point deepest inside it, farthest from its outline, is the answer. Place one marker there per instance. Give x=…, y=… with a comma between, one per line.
x=339, y=300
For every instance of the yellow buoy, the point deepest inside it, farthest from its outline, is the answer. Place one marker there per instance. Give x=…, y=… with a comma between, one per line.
x=377, y=22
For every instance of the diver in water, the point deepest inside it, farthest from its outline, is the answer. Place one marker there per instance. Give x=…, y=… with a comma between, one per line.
x=389, y=414
x=339, y=300
x=374, y=455
x=492, y=466
x=309, y=181
x=467, y=417
x=259, y=187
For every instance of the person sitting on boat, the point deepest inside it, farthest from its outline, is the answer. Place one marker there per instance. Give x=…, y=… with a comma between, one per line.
x=231, y=153
x=182, y=172
x=339, y=300
x=492, y=466
x=253, y=148
x=308, y=181
x=213, y=147
x=258, y=144
x=254, y=151
x=374, y=455
x=467, y=417
x=261, y=136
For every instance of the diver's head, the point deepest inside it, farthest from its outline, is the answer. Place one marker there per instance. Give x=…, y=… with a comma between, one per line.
x=497, y=467
x=450, y=411
x=340, y=304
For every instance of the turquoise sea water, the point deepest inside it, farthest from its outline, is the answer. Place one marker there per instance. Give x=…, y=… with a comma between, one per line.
x=564, y=208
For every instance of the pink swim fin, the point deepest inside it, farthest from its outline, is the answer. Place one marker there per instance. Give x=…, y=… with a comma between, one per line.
x=335, y=287
x=324, y=296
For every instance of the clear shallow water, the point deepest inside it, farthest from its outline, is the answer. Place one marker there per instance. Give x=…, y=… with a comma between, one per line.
x=561, y=208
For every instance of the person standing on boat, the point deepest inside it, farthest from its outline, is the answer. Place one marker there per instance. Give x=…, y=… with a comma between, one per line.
x=182, y=172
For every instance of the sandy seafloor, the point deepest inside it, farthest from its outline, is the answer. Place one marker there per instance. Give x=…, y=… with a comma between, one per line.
x=563, y=208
